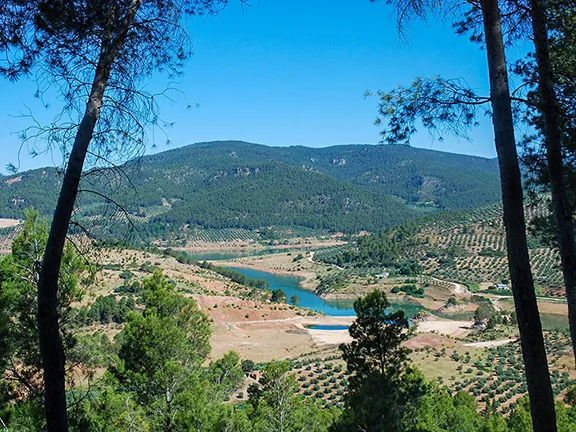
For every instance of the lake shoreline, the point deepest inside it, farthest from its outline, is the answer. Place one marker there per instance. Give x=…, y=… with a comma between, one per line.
x=290, y=284
x=304, y=276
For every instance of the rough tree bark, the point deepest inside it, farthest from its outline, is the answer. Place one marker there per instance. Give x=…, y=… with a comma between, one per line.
x=553, y=145
x=531, y=337
x=53, y=359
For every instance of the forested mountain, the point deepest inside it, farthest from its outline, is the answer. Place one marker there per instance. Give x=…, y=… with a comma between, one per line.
x=445, y=180
x=37, y=187
x=241, y=185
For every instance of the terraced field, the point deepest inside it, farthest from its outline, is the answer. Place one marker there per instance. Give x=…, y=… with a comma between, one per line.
x=492, y=375
x=220, y=235
x=462, y=247
x=479, y=246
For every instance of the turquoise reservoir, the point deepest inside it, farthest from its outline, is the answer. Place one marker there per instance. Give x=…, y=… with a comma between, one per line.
x=307, y=299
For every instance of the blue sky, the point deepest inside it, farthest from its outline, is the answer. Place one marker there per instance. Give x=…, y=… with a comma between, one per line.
x=290, y=73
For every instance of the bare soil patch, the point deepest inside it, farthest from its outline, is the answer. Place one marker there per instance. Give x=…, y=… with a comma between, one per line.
x=234, y=310
x=428, y=340
x=491, y=344
x=260, y=342
x=9, y=223
x=446, y=327
x=556, y=307
x=330, y=337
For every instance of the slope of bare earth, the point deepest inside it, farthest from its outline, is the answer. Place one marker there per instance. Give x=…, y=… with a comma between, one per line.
x=255, y=328
x=261, y=342
x=9, y=223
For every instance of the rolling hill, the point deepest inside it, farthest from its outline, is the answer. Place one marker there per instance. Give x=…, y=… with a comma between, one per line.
x=233, y=184
x=460, y=246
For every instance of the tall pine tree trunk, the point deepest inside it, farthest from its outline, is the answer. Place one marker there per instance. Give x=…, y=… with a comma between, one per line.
x=51, y=350
x=531, y=337
x=53, y=359
x=553, y=144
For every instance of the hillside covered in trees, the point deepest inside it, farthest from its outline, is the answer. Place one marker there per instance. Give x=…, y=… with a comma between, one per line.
x=463, y=246
x=233, y=184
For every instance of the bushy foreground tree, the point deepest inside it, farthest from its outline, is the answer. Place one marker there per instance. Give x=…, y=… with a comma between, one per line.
x=383, y=388
x=20, y=353
x=162, y=348
x=158, y=380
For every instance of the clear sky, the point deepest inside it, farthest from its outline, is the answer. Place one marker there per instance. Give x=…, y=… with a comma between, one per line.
x=290, y=73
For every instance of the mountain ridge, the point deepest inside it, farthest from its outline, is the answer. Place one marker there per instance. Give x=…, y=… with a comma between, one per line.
x=224, y=184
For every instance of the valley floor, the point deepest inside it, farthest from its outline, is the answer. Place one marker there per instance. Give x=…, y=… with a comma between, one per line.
x=445, y=345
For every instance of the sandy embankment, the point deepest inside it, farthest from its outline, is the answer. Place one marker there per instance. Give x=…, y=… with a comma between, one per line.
x=445, y=327
x=8, y=223
x=490, y=344
x=329, y=337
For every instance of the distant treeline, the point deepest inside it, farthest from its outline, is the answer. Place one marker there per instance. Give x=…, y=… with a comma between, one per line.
x=233, y=275
x=386, y=249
